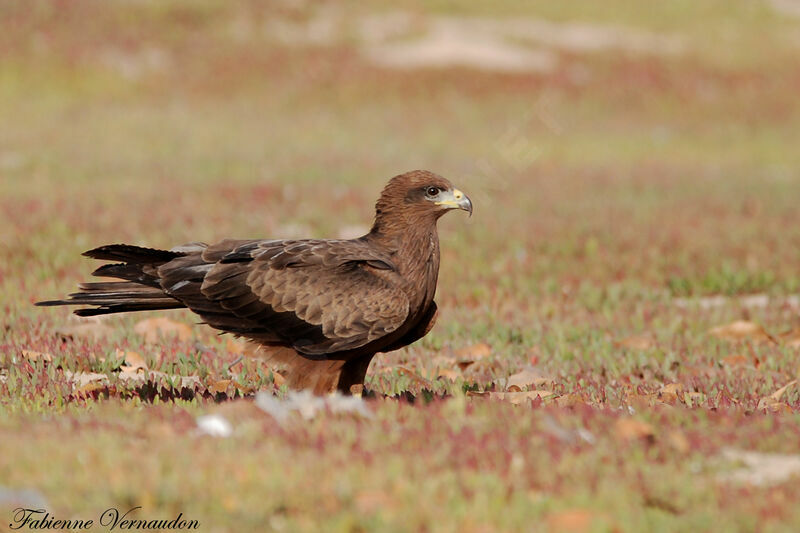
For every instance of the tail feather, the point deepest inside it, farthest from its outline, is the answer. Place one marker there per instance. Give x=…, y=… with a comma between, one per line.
x=128, y=272
x=127, y=253
x=140, y=290
x=125, y=308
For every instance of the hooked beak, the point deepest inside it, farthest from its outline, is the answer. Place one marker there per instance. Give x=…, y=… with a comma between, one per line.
x=456, y=199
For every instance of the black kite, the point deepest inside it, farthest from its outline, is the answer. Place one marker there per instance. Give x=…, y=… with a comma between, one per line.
x=324, y=307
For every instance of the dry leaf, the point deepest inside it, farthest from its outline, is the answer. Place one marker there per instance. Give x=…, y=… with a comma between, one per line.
x=636, y=342
x=32, y=356
x=142, y=376
x=90, y=388
x=278, y=379
x=81, y=379
x=152, y=329
x=526, y=377
x=742, y=330
x=515, y=398
x=219, y=386
x=641, y=402
x=569, y=400
x=773, y=401
x=133, y=361
x=469, y=354
x=244, y=389
x=630, y=429
x=671, y=388
x=671, y=393
x=449, y=373
x=778, y=393
x=482, y=371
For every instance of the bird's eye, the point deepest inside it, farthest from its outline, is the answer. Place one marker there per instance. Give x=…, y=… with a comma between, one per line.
x=432, y=191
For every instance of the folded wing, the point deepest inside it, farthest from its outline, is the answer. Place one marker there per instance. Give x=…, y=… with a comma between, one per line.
x=319, y=297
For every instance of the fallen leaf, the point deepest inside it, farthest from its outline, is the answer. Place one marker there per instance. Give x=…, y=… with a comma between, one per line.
x=636, y=342
x=631, y=429
x=526, y=377
x=469, y=354
x=640, y=401
x=153, y=329
x=219, y=386
x=278, y=379
x=32, y=356
x=244, y=389
x=671, y=388
x=81, y=379
x=773, y=401
x=142, y=376
x=671, y=393
x=569, y=400
x=133, y=361
x=449, y=373
x=90, y=388
x=780, y=407
x=482, y=371
x=742, y=330
x=515, y=398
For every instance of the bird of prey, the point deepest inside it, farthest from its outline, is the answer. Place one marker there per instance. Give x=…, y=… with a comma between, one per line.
x=323, y=308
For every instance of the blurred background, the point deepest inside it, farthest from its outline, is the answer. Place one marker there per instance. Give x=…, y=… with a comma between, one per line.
x=634, y=254
x=610, y=148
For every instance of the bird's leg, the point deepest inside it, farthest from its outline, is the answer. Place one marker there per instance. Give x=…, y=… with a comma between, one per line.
x=353, y=373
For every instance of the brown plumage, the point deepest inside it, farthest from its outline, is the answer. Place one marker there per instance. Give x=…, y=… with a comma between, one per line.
x=323, y=307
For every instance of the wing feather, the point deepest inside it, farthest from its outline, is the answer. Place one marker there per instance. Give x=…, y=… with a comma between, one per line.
x=319, y=296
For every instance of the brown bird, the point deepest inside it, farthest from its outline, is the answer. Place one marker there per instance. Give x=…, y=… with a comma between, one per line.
x=323, y=308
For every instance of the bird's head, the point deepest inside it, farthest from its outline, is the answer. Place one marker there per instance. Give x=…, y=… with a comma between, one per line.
x=419, y=196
